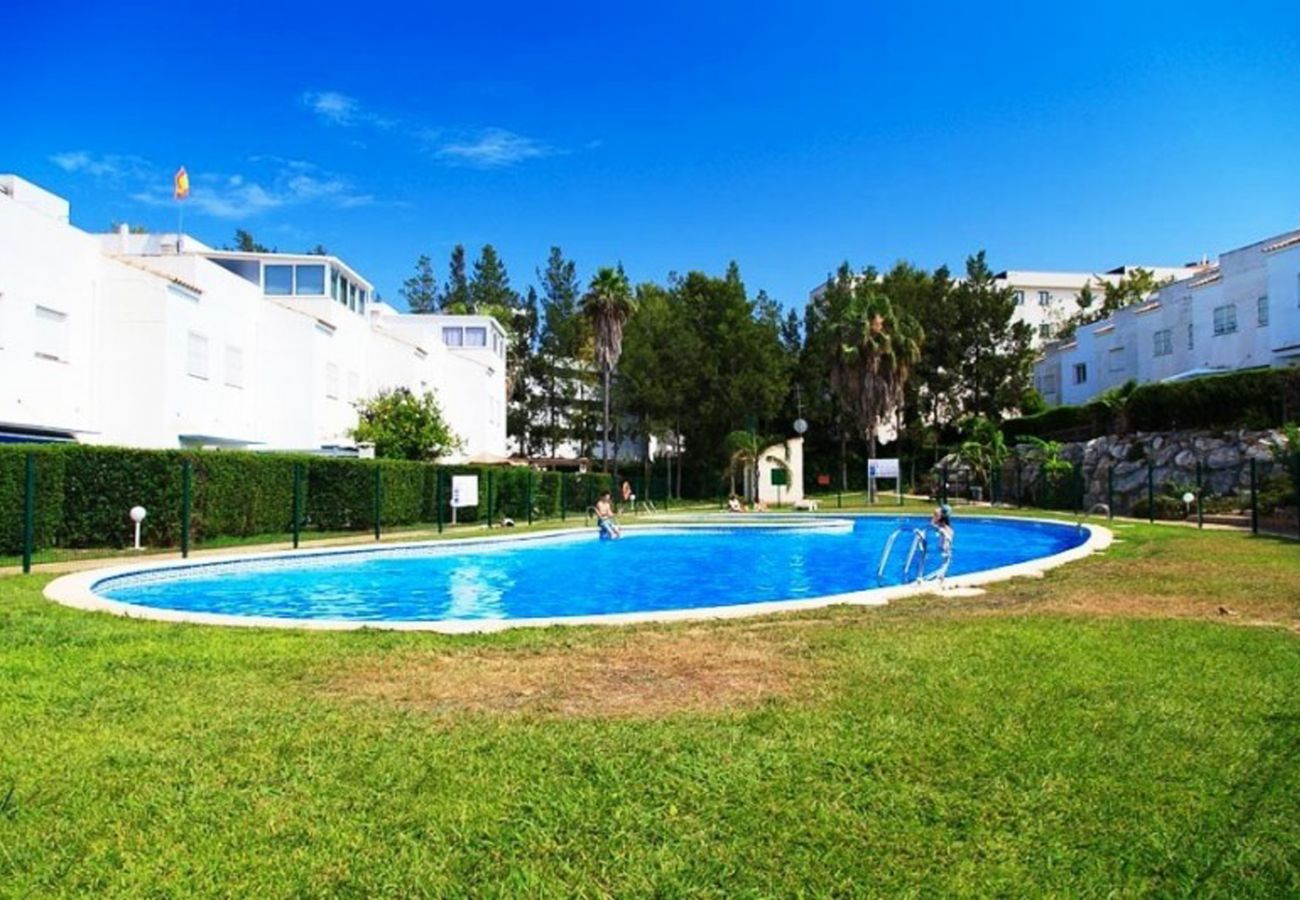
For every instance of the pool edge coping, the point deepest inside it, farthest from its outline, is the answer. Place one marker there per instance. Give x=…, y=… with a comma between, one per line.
x=75, y=590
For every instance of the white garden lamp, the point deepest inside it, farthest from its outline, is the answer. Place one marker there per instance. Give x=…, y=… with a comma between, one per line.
x=137, y=516
x=1188, y=497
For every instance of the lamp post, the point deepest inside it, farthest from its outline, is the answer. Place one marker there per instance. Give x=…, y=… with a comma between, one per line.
x=137, y=516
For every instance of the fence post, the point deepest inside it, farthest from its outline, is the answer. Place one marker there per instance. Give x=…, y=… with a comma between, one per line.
x=529, y=495
x=1200, y=509
x=1151, y=492
x=297, y=504
x=491, y=507
x=1254, y=500
x=1110, y=492
x=564, y=496
x=437, y=497
x=185, y=508
x=379, y=500
x=29, y=510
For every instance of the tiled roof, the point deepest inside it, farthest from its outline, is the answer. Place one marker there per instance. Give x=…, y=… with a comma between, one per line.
x=1289, y=241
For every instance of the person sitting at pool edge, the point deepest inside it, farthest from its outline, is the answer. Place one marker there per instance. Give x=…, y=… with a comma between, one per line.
x=942, y=522
x=734, y=505
x=609, y=529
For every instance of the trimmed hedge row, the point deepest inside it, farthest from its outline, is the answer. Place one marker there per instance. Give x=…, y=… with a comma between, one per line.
x=84, y=493
x=1260, y=398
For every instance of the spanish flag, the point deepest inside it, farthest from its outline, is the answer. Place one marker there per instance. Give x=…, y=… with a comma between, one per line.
x=181, y=184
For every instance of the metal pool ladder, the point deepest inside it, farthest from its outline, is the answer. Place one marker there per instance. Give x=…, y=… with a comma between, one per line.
x=917, y=552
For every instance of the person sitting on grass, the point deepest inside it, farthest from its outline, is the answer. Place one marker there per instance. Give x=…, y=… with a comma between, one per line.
x=609, y=529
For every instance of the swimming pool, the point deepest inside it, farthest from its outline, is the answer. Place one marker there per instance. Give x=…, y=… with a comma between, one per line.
x=663, y=571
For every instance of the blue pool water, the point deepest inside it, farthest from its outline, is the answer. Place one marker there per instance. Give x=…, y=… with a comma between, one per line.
x=577, y=575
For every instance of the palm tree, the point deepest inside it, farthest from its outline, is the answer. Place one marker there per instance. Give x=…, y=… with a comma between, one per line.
x=608, y=304
x=873, y=351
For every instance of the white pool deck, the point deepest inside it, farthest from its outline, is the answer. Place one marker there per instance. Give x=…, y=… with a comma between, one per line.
x=77, y=590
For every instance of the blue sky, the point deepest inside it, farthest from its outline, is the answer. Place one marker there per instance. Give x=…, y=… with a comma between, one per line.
x=669, y=136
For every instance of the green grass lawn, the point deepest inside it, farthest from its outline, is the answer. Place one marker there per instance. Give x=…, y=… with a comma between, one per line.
x=1106, y=730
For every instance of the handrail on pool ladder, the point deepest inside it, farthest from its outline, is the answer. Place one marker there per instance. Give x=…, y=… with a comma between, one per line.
x=919, y=543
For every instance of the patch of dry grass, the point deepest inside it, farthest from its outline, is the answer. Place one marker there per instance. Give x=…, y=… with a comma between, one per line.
x=643, y=673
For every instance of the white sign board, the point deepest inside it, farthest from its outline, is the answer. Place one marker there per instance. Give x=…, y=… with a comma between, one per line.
x=882, y=468
x=464, y=490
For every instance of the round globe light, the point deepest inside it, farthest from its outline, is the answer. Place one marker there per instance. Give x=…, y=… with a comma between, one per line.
x=1188, y=497
x=800, y=426
x=138, y=513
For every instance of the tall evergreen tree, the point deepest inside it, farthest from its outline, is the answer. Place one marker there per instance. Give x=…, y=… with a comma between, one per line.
x=457, y=298
x=489, y=289
x=421, y=289
x=562, y=376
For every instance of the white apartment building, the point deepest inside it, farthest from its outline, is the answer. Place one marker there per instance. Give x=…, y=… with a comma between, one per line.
x=1242, y=312
x=1047, y=300
x=157, y=340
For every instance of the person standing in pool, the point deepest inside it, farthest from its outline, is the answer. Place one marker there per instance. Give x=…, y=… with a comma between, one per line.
x=941, y=521
x=609, y=529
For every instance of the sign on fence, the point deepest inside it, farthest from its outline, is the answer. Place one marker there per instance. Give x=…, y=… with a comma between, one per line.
x=779, y=477
x=882, y=468
x=464, y=490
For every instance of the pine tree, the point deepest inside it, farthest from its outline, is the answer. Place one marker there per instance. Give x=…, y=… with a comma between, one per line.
x=489, y=289
x=457, y=299
x=421, y=289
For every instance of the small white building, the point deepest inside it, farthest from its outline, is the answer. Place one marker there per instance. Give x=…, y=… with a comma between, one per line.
x=1243, y=312
x=157, y=340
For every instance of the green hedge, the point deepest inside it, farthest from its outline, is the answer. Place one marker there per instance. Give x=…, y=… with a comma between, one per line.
x=84, y=494
x=1263, y=398
x=1260, y=398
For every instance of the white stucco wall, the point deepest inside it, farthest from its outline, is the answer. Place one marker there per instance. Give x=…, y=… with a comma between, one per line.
x=278, y=373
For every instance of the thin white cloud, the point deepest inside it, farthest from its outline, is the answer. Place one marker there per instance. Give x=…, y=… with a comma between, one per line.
x=242, y=197
x=483, y=148
x=108, y=166
x=492, y=148
x=272, y=183
x=334, y=108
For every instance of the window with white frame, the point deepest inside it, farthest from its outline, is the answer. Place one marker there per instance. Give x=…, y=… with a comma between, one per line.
x=309, y=279
x=1115, y=359
x=476, y=336
x=1044, y=298
x=1164, y=342
x=1080, y=373
x=453, y=337
x=51, y=334
x=196, y=356
x=1020, y=298
x=332, y=381
x=1225, y=319
x=234, y=367
x=1045, y=330
x=277, y=280
x=1261, y=311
